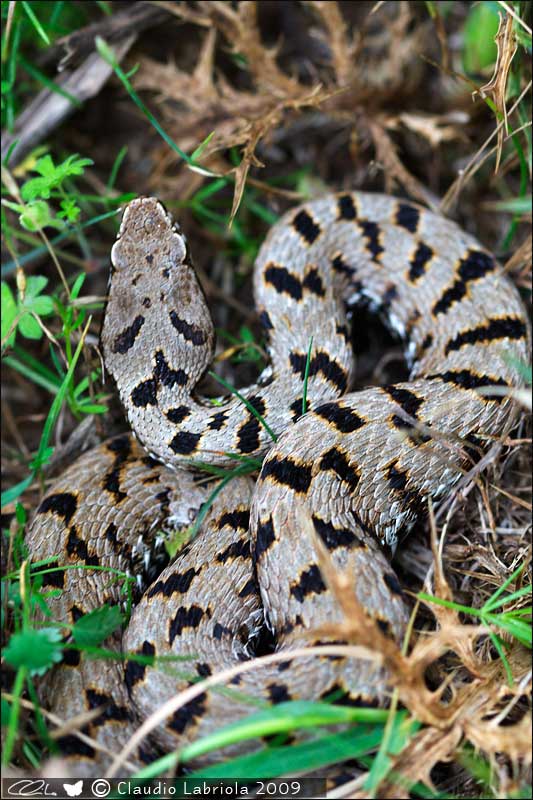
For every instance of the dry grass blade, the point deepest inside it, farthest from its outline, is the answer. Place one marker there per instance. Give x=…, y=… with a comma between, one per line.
x=507, y=45
x=520, y=261
x=393, y=169
x=477, y=159
x=236, y=117
x=447, y=617
x=260, y=128
x=513, y=740
x=436, y=129
x=214, y=107
x=239, y=26
x=416, y=761
x=510, y=10
x=346, y=790
x=342, y=49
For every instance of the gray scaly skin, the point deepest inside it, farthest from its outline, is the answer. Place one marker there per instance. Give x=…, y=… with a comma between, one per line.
x=363, y=466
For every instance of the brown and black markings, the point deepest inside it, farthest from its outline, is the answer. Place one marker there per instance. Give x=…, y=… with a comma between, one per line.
x=492, y=330
x=306, y=226
x=474, y=266
x=321, y=362
x=419, y=262
x=343, y=441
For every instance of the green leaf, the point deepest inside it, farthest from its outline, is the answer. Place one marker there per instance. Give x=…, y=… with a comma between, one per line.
x=76, y=286
x=20, y=514
x=69, y=210
x=9, y=313
x=36, y=188
x=246, y=334
x=45, y=166
x=76, y=166
x=37, y=650
x=34, y=286
x=93, y=628
x=42, y=306
x=29, y=327
x=479, y=47
x=52, y=175
x=36, y=215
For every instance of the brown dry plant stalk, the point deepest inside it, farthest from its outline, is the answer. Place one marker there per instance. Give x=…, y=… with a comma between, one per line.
x=209, y=105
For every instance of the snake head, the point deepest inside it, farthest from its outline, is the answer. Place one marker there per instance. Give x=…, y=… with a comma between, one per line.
x=148, y=236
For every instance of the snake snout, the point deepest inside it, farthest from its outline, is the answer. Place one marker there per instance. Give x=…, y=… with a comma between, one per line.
x=144, y=216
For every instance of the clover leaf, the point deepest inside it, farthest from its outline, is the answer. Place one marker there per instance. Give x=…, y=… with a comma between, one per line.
x=24, y=308
x=52, y=176
x=37, y=650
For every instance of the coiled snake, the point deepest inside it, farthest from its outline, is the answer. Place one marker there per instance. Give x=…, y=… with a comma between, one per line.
x=363, y=466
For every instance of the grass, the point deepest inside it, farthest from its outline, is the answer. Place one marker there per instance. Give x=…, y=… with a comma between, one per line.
x=516, y=623
x=271, y=762
x=56, y=210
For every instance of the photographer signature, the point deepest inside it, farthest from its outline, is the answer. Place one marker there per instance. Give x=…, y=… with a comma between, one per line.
x=31, y=788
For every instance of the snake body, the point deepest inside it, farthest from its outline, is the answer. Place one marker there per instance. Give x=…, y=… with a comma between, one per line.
x=362, y=465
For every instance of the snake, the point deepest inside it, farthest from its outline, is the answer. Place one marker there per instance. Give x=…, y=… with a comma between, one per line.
x=361, y=465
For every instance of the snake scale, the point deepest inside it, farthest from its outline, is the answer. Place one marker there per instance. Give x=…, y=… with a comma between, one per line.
x=361, y=464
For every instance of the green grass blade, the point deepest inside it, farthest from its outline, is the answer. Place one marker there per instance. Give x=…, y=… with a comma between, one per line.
x=15, y=491
x=211, y=499
x=517, y=628
x=428, y=598
x=116, y=166
x=44, y=452
x=37, y=252
x=398, y=732
x=247, y=403
x=273, y=762
x=306, y=375
x=501, y=652
x=490, y=602
x=501, y=601
x=35, y=22
x=12, y=725
x=59, y=398
x=49, y=83
x=514, y=205
x=282, y=718
x=109, y=56
x=27, y=372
